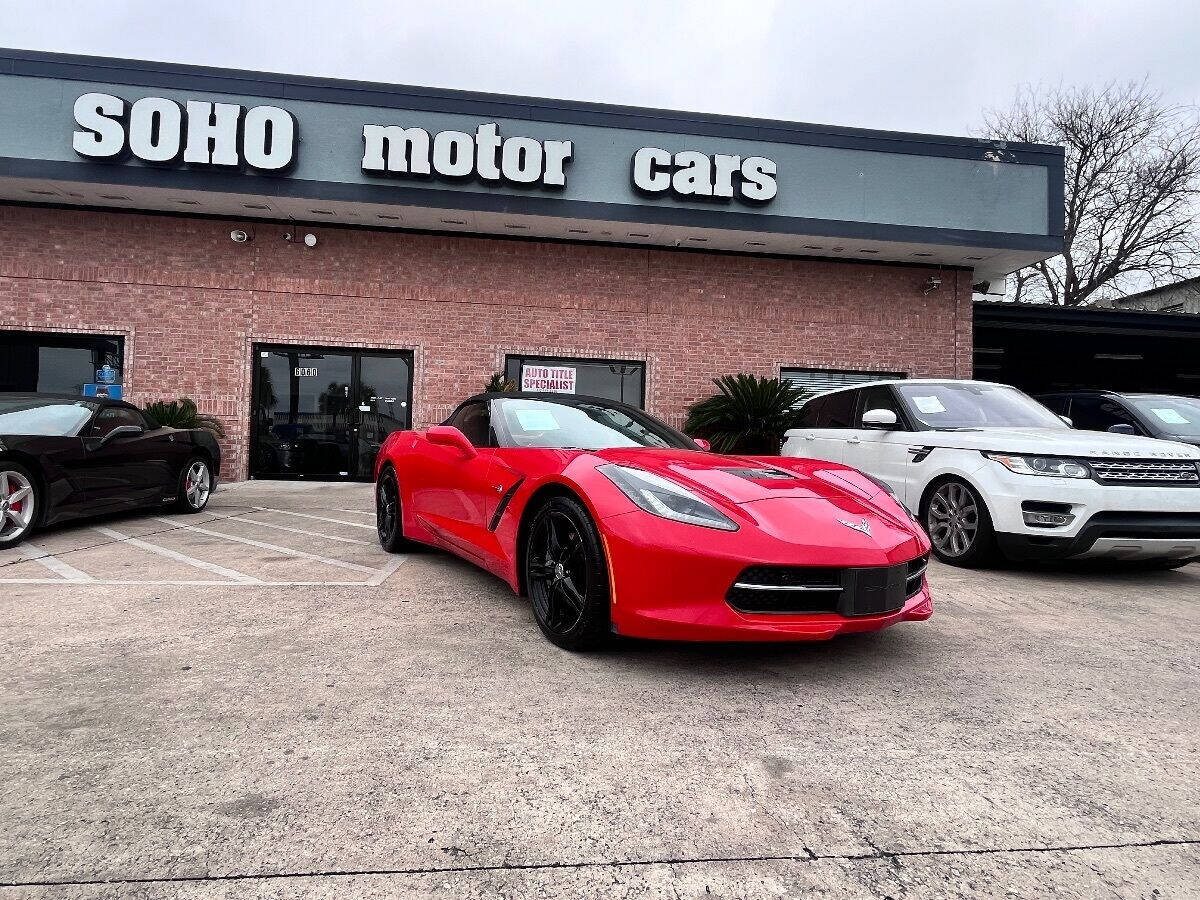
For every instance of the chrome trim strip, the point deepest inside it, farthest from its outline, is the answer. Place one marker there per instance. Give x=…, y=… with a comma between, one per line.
x=784, y=587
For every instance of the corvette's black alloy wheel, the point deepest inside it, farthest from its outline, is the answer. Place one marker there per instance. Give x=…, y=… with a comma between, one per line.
x=566, y=577
x=387, y=512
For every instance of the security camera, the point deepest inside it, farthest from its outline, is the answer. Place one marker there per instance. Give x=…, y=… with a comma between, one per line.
x=310, y=240
x=934, y=282
x=239, y=237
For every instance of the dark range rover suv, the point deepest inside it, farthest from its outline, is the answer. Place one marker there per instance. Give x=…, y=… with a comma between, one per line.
x=1150, y=415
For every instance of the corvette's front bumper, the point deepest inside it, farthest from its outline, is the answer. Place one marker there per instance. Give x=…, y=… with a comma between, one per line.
x=669, y=582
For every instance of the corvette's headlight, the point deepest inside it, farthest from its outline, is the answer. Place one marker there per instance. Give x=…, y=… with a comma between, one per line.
x=662, y=497
x=1041, y=465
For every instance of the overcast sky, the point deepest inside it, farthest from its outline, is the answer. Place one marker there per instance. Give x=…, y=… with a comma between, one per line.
x=912, y=65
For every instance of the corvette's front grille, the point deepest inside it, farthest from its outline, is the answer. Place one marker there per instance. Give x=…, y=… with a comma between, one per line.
x=800, y=590
x=1144, y=471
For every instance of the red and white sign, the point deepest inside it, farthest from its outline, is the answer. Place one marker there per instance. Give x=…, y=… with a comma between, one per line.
x=551, y=379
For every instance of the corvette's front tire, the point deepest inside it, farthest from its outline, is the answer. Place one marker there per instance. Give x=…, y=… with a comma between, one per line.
x=388, y=521
x=566, y=576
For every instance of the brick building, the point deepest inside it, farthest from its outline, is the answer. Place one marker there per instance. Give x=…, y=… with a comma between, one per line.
x=319, y=262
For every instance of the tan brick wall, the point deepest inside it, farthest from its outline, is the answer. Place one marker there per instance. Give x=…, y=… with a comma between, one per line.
x=190, y=303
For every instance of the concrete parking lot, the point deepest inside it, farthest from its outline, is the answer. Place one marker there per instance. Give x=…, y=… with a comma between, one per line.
x=258, y=702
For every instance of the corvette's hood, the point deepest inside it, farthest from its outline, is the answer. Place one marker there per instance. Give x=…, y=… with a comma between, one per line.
x=1057, y=442
x=800, y=501
x=747, y=479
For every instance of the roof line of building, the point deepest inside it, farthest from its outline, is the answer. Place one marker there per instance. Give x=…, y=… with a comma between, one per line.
x=1009, y=314
x=1150, y=292
x=35, y=63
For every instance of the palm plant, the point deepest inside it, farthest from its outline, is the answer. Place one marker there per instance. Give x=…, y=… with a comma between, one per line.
x=182, y=414
x=749, y=415
x=499, y=383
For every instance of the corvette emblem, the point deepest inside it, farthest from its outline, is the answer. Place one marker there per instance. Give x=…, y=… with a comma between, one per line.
x=864, y=526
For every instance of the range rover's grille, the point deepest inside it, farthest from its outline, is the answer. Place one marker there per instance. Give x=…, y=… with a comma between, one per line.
x=800, y=590
x=1144, y=471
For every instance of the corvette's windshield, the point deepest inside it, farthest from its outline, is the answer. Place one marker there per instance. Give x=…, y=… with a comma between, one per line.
x=974, y=405
x=580, y=424
x=1171, y=415
x=48, y=419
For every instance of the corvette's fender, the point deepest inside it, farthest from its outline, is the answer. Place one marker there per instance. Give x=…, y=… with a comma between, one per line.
x=579, y=479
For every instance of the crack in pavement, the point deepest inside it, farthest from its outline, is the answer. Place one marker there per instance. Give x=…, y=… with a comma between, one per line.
x=807, y=856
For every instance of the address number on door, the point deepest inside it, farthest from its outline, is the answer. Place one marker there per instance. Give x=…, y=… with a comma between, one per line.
x=306, y=371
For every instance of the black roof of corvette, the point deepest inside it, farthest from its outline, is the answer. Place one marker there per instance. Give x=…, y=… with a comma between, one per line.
x=553, y=397
x=59, y=398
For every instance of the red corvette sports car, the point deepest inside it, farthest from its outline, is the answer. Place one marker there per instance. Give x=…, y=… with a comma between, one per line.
x=612, y=522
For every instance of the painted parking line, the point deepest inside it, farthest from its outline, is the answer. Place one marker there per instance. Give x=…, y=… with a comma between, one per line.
x=387, y=571
x=55, y=565
x=320, y=534
x=361, y=512
x=288, y=512
x=110, y=582
x=177, y=556
x=275, y=548
x=61, y=572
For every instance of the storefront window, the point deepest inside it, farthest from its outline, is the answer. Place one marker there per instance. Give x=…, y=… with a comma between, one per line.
x=816, y=381
x=59, y=362
x=621, y=380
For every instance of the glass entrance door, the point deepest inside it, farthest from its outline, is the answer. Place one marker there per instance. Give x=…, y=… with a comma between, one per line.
x=324, y=413
x=384, y=381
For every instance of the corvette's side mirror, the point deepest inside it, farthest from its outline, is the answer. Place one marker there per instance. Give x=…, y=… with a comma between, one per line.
x=121, y=431
x=702, y=444
x=449, y=436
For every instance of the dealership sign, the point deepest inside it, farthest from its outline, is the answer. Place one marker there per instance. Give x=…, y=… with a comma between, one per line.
x=552, y=379
x=198, y=133
x=207, y=134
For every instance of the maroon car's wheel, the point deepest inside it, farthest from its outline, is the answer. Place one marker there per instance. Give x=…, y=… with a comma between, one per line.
x=566, y=576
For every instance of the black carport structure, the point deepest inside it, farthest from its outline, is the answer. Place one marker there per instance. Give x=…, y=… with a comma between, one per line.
x=1046, y=348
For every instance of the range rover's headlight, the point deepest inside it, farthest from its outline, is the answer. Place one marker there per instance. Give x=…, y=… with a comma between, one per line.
x=663, y=497
x=1041, y=465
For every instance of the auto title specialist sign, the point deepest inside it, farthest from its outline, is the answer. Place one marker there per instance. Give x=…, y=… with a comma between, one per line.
x=556, y=379
x=266, y=139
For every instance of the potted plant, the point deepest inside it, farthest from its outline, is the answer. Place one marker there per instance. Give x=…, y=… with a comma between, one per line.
x=182, y=413
x=749, y=414
x=499, y=383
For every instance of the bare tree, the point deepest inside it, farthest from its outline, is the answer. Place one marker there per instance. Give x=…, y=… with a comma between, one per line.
x=1132, y=181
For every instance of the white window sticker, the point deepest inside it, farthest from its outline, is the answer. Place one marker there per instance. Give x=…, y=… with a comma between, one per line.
x=536, y=420
x=929, y=404
x=1169, y=416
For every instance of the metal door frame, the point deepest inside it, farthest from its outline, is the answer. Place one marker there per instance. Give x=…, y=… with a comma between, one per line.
x=356, y=354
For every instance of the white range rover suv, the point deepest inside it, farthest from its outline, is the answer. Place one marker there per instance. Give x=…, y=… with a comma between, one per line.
x=989, y=471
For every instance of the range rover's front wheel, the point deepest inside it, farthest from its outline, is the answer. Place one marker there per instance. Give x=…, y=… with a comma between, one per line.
x=958, y=525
